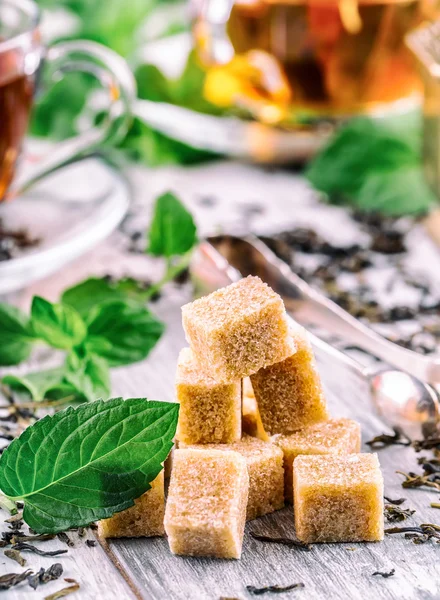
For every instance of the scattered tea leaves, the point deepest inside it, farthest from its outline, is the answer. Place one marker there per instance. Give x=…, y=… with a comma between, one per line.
x=394, y=514
x=435, y=505
x=418, y=534
x=45, y=575
x=91, y=543
x=14, y=554
x=291, y=542
x=64, y=591
x=25, y=547
x=396, y=502
x=273, y=589
x=385, y=574
x=384, y=440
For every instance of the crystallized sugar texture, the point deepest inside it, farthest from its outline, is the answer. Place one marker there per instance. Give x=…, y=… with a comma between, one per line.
x=338, y=498
x=210, y=412
x=251, y=419
x=289, y=393
x=206, y=507
x=238, y=329
x=336, y=436
x=266, y=478
x=144, y=519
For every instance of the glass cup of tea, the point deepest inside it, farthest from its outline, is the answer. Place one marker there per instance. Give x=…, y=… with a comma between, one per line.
x=295, y=63
x=25, y=67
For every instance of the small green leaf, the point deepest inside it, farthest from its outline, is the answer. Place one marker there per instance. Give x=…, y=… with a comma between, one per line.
x=172, y=231
x=94, y=291
x=87, y=463
x=90, y=377
x=375, y=164
x=122, y=332
x=58, y=325
x=39, y=384
x=15, y=338
x=396, y=192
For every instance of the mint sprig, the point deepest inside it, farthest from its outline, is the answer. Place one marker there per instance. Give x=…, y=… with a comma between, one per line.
x=99, y=323
x=87, y=463
x=375, y=165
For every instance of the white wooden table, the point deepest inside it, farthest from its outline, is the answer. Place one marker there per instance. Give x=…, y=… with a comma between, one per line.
x=221, y=194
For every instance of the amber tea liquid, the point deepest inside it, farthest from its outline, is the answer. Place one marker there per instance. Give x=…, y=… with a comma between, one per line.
x=336, y=57
x=16, y=94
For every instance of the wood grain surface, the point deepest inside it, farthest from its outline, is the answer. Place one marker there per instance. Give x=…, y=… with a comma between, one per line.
x=330, y=571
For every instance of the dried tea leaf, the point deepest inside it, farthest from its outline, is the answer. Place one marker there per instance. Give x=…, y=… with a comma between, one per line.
x=273, y=589
x=397, y=501
x=64, y=591
x=23, y=546
x=395, y=514
x=45, y=575
x=291, y=542
x=63, y=537
x=385, y=574
x=14, y=554
x=11, y=579
x=385, y=439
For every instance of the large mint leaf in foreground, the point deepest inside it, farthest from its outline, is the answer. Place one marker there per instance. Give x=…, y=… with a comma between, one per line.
x=87, y=463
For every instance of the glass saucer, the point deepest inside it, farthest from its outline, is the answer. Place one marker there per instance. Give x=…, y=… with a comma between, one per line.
x=68, y=213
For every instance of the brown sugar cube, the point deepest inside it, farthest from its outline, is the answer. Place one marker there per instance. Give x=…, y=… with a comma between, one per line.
x=289, y=393
x=335, y=436
x=251, y=419
x=238, y=329
x=338, y=498
x=266, y=477
x=144, y=519
x=210, y=412
x=206, y=506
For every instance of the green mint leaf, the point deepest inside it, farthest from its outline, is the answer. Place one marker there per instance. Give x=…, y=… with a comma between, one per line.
x=90, y=377
x=94, y=291
x=153, y=148
x=396, y=192
x=172, y=231
x=122, y=332
x=39, y=385
x=15, y=338
x=58, y=325
x=87, y=463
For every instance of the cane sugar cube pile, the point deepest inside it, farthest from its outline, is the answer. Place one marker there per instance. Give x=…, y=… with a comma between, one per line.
x=254, y=432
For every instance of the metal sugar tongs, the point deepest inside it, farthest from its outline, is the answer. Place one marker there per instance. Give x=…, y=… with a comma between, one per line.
x=402, y=386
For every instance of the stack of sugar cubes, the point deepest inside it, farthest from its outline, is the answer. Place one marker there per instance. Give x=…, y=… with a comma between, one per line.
x=254, y=432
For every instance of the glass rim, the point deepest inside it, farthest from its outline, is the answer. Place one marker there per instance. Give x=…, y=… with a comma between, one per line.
x=30, y=9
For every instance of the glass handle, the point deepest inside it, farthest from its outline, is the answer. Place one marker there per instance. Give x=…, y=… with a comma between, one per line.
x=115, y=77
